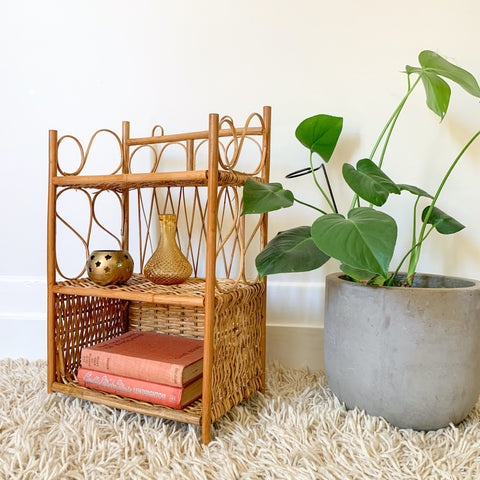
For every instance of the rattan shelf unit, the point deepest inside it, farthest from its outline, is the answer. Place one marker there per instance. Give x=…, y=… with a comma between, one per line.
x=221, y=303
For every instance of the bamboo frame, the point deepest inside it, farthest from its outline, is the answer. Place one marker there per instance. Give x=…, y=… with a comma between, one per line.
x=125, y=197
x=202, y=307
x=128, y=181
x=210, y=277
x=267, y=117
x=51, y=235
x=192, y=136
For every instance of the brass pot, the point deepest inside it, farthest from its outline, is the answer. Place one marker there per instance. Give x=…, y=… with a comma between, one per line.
x=109, y=267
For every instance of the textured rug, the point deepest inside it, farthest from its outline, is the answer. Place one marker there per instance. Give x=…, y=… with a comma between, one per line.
x=297, y=430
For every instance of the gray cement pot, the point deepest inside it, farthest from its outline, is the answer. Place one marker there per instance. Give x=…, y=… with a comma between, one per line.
x=410, y=355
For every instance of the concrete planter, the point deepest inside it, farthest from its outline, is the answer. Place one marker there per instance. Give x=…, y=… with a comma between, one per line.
x=410, y=355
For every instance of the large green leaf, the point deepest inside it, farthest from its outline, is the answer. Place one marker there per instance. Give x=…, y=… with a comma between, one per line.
x=438, y=93
x=433, y=66
x=414, y=190
x=359, y=275
x=365, y=240
x=437, y=64
x=369, y=182
x=265, y=197
x=290, y=251
x=442, y=222
x=320, y=134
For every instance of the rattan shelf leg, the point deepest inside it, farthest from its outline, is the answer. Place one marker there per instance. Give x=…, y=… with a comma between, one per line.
x=51, y=233
x=206, y=432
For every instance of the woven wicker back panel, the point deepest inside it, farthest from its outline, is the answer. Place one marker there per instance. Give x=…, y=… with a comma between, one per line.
x=171, y=319
x=83, y=321
x=189, y=204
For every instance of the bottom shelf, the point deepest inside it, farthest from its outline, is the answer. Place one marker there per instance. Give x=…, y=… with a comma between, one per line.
x=190, y=414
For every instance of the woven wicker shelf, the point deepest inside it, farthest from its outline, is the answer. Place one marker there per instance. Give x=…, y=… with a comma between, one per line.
x=139, y=288
x=218, y=304
x=190, y=414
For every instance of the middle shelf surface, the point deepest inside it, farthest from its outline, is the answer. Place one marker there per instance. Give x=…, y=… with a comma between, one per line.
x=139, y=288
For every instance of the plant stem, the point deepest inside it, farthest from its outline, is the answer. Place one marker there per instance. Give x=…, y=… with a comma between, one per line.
x=308, y=205
x=390, y=124
x=414, y=226
x=393, y=276
x=416, y=253
x=393, y=119
x=319, y=187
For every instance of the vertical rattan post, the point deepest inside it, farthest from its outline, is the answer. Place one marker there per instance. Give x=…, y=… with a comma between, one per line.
x=125, y=194
x=267, y=120
x=210, y=276
x=190, y=154
x=51, y=234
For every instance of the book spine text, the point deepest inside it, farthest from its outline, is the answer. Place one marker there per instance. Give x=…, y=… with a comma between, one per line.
x=165, y=395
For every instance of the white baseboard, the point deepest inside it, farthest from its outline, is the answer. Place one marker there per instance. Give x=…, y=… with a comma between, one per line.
x=296, y=346
x=23, y=317
x=24, y=338
x=294, y=331
x=295, y=303
x=292, y=346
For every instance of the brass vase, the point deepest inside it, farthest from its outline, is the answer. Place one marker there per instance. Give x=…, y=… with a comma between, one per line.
x=168, y=265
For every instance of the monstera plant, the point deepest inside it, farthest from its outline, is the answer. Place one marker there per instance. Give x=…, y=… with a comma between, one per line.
x=363, y=238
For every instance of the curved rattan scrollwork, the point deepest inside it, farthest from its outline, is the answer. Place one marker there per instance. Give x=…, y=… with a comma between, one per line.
x=237, y=141
x=84, y=154
x=229, y=208
x=161, y=129
x=162, y=151
x=95, y=219
x=144, y=217
x=235, y=234
x=85, y=241
x=189, y=205
x=92, y=220
x=138, y=149
x=157, y=153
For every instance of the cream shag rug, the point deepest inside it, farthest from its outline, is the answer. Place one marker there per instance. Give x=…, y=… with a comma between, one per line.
x=298, y=430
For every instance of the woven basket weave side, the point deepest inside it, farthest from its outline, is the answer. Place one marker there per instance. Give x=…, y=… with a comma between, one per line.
x=238, y=346
x=82, y=321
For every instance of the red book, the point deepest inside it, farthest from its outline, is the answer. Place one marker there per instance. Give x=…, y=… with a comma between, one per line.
x=166, y=395
x=150, y=356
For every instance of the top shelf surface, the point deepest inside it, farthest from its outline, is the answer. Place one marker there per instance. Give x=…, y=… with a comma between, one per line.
x=129, y=181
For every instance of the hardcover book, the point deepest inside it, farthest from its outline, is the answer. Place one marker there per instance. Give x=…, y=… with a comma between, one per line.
x=150, y=356
x=165, y=395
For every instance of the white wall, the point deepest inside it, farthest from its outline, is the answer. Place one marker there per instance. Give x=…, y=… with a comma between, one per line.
x=81, y=66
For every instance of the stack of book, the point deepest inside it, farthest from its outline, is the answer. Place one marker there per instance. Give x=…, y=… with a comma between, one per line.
x=148, y=366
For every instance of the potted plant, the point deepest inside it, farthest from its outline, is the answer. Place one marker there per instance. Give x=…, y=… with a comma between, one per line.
x=398, y=344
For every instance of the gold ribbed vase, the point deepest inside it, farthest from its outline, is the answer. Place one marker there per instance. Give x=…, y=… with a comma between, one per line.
x=168, y=265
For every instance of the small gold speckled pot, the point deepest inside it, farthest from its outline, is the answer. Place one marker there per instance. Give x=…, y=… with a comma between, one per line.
x=109, y=267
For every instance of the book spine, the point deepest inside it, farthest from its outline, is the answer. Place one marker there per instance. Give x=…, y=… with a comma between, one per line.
x=164, y=395
x=124, y=365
